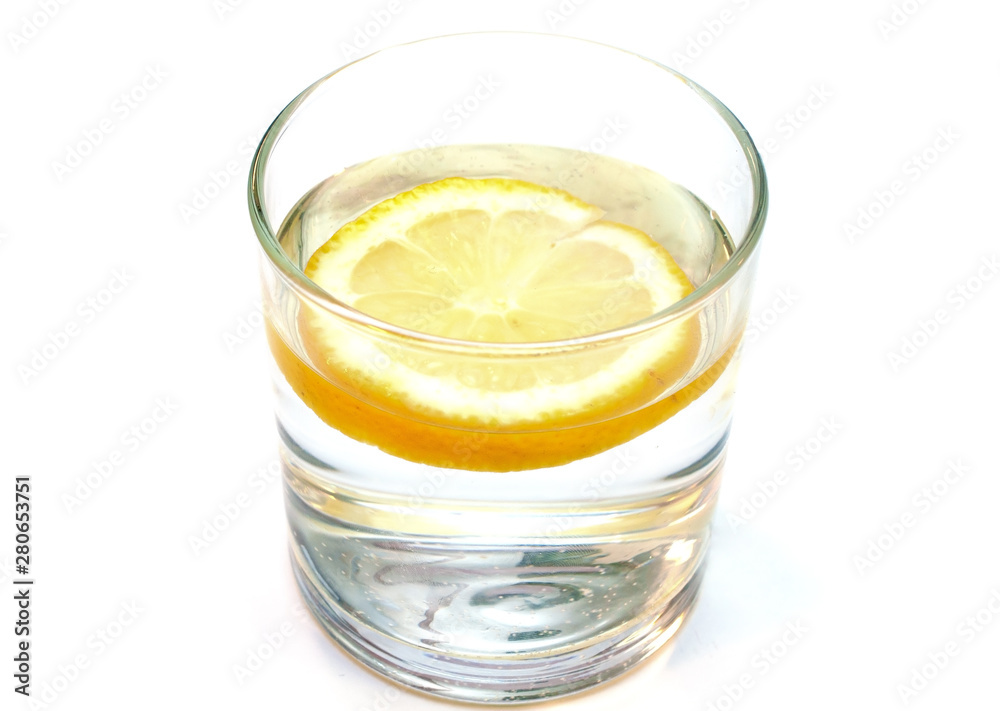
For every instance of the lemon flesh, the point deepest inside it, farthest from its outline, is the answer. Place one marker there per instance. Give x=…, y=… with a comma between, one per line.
x=494, y=261
x=500, y=261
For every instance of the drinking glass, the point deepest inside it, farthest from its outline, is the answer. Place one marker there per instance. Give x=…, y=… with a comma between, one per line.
x=488, y=562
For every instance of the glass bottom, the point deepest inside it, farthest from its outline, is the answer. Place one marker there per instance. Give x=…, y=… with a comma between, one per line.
x=508, y=679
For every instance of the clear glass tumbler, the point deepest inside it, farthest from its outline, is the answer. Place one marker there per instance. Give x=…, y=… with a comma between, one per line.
x=506, y=559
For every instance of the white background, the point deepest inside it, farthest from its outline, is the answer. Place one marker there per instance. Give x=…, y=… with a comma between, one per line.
x=804, y=557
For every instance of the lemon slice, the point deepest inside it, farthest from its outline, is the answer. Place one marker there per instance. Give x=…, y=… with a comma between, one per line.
x=494, y=261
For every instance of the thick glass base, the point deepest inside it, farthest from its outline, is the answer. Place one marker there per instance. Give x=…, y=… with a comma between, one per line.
x=497, y=679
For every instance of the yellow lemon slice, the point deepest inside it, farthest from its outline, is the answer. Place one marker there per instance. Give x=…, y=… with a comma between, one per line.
x=494, y=261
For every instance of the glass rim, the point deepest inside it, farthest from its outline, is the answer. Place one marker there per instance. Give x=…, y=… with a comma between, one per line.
x=297, y=279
